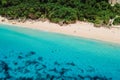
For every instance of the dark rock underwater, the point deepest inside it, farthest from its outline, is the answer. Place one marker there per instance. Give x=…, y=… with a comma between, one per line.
x=38, y=69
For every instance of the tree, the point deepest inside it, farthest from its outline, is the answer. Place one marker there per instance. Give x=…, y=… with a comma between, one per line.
x=4, y=2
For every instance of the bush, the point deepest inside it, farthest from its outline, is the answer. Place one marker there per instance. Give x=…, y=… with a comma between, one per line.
x=98, y=22
x=117, y=21
x=67, y=14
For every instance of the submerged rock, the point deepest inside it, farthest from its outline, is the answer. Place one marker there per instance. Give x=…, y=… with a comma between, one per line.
x=31, y=53
x=4, y=69
x=20, y=57
x=54, y=70
x=25, y=78
x=43, y=70
x=40, y=58
x=56, y=63
x=72, y=64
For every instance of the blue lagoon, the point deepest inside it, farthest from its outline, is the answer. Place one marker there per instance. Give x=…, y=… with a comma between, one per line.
x=27, y=54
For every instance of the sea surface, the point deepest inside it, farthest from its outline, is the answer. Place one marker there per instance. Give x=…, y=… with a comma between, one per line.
x=27, y=54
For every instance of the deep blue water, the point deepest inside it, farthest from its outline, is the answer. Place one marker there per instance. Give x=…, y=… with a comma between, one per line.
x=27, y=54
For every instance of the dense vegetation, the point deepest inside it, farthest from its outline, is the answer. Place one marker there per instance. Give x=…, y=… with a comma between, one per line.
x=66, y=11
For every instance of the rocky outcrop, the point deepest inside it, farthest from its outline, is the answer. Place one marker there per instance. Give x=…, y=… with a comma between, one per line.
x=112, y=2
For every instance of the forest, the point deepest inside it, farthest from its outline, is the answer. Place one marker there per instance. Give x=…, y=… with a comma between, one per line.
x=98, y=12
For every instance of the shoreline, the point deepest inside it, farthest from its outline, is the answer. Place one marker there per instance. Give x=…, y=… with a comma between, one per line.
x=80, y=29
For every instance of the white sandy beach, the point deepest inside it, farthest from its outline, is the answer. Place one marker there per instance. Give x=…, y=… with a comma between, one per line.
x=82, y=29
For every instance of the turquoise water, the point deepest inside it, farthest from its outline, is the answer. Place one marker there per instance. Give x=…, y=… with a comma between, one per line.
x=27, y=54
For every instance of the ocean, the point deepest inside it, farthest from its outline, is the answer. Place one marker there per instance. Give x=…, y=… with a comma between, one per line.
x=28, y=54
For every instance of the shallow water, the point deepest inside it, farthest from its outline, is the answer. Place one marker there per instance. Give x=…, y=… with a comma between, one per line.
x=27, y=54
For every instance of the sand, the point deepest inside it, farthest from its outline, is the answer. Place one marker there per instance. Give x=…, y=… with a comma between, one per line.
x=81, y=29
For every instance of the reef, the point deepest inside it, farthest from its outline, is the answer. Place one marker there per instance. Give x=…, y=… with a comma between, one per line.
x=25, y=66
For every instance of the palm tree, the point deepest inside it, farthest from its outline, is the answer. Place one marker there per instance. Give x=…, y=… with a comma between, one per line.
x=111, y=21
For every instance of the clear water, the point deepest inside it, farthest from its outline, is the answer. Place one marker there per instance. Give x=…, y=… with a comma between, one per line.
x=27, y=54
